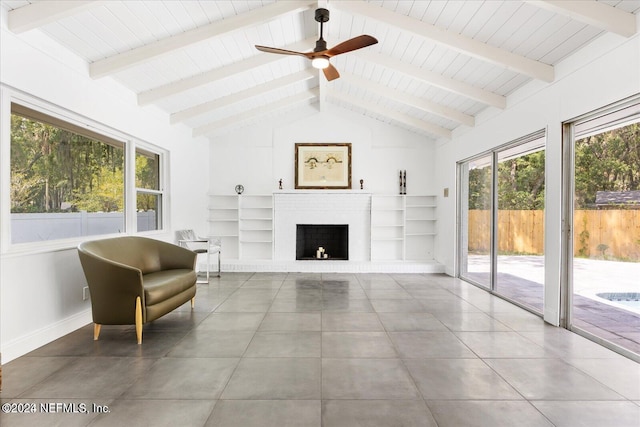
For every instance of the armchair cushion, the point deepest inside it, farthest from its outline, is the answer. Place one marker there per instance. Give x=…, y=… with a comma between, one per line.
x=162, y=285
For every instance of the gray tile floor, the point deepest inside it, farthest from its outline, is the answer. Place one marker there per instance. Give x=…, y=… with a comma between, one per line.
x=349, y=350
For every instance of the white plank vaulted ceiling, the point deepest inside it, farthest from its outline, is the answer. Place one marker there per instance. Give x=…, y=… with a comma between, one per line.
x=437, y=64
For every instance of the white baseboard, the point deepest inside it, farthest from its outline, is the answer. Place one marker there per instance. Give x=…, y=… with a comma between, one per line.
x=328, y=266
x=33, y=340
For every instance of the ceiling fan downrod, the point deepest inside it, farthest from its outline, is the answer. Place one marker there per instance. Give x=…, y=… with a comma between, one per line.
x=322, y=16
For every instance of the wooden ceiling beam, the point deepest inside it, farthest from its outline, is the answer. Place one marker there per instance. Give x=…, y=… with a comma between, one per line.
x=36, y=15
x=452, y=40
x=434, y=79
x=216, y=126
x=233, y=98
x=407, y=99
x=596, y=14
x=394, y=115
x=124, y=60
x=173, y=88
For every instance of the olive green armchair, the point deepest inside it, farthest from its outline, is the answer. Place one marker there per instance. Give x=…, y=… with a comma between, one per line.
x=135, y=280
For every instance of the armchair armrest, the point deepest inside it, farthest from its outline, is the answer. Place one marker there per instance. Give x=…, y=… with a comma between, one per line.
x=113, y=288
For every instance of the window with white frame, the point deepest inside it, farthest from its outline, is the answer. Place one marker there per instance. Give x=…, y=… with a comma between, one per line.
x=148, y=191
x=67, y=180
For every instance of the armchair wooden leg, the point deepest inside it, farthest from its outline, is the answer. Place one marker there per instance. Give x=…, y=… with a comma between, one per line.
x=139, y=320
x=96, y=331
x=193, y=302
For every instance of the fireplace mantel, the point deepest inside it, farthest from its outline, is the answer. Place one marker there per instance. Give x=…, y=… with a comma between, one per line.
x=291, y=191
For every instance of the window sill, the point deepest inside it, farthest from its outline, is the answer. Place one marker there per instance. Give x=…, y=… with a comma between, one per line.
x=35, y=248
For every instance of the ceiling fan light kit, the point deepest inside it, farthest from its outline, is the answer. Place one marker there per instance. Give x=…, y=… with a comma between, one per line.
x=320, y=57
x=320, y=63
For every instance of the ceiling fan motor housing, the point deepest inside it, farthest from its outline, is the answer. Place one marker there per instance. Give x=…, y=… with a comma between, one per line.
x=321, y=45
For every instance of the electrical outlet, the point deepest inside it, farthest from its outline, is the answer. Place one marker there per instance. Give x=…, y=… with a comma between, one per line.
x=85, y=293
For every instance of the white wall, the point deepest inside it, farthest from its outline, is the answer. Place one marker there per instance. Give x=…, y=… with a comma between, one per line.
x=260, y=156
x=41, y=290
x=605, y=72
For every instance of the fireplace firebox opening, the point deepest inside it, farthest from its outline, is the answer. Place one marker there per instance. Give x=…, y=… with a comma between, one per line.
x=333, y=238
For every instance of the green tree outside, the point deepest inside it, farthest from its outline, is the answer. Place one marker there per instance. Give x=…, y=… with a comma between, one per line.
x=608, y=161
x=56, y=170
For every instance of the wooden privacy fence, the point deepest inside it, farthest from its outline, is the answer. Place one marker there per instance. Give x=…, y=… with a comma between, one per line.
x=612, y=234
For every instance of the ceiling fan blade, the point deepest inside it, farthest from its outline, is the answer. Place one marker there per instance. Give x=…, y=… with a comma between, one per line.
x=331, y=73
x=351, y=44
x=280, y=51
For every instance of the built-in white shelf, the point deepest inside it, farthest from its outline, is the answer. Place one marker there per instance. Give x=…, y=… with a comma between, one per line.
x=245, y=224
x=420, y=227
x=402, y=227
x=224, y=222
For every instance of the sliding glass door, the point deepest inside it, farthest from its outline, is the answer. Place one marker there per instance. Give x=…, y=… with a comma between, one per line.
x=501, y=214
x=520, y=224
x=477, y=180
x=604, y=253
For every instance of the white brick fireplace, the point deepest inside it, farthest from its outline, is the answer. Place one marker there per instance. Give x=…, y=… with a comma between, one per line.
x=322, y=207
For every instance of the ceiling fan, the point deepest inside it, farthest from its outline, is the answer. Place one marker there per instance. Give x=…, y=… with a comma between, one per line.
x=321, y=55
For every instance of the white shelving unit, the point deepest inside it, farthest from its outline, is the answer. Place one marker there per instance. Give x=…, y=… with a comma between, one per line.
x=224, y=223
x=420, y=227
x=387, y=227
x=245, y=224
x=256, y=226
x=402, y=227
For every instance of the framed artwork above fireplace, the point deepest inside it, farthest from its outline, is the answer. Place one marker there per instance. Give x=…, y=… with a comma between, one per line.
x=323, y=166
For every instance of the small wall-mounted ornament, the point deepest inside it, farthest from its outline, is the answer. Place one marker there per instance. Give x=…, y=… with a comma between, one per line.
x=280, y=184
x=362, y=184
x=239, y=188
x=403, y=181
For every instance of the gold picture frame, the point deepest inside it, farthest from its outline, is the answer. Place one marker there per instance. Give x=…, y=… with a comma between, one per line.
x=323, y=166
